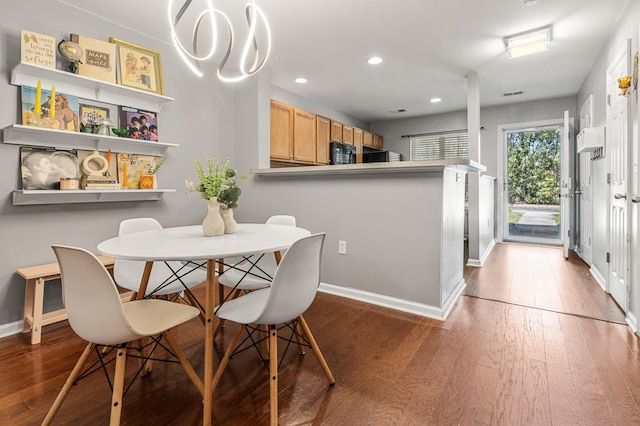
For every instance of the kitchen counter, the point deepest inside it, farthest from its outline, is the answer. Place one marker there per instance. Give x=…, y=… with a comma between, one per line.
x=360, y=168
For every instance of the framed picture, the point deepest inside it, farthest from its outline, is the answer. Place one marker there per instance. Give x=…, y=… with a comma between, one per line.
x=66, y=108
x=141, y=124
x=43, y=168
x=138, y=67
x=91, y=112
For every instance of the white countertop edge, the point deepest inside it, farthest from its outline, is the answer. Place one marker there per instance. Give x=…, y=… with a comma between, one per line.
x=390, y=167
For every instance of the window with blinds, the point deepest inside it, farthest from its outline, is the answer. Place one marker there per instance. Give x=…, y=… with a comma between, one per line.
x=440, y=146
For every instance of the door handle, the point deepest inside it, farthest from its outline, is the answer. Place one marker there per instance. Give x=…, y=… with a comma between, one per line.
x=635, y=199
x=578, y=192
x=619, y=196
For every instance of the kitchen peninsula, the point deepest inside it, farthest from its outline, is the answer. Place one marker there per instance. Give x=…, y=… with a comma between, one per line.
x=402, y=224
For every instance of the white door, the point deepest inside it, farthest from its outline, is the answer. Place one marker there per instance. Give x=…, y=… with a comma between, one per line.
x=566, y=188
x=584, y=219
x=617, y=134
x=584, y=195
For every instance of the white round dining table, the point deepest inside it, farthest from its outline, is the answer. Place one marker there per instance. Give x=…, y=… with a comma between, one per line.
x=189, y=243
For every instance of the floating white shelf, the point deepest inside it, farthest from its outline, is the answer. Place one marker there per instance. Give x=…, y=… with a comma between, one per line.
x=39, y=197
x=17, y=134
x=87, y=88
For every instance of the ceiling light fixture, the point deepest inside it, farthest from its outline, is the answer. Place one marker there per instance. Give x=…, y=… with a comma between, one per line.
x=435, y=100
x=374, y=60
x=530, y=2
x=528, y=43
x=192, y=59
x=301, y=80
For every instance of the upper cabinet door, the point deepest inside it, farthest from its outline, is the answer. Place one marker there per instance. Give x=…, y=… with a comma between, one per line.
x=377, y=142
x=347, y=134
x=323, y=136
x=358, y=139
x=304, y=136
x=336, y=131
x=281, y=131
x=367, y=139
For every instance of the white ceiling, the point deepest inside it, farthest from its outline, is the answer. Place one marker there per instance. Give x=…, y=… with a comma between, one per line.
x=428, y=47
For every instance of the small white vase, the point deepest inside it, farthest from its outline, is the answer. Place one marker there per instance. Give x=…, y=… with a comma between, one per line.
x=230, y=223
x=213, y=225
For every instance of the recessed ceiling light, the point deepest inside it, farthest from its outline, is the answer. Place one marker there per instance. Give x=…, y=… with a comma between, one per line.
x=435, y=100
x=301, y=80
x=530, y=2
x=375, y=60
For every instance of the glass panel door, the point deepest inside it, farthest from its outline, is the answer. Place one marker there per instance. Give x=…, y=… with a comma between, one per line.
x=533, y=185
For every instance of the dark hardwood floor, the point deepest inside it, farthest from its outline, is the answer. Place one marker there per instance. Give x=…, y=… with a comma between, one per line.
x=490, y=363
x=540, y=277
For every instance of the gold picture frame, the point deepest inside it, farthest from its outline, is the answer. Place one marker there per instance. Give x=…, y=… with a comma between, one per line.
x=138, y=67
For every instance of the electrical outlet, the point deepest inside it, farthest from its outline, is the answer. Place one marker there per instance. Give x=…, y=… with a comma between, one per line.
x=342, y=247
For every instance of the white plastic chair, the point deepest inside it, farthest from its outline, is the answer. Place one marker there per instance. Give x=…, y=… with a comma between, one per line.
x=163, y=280
x=292, y=291
x=257, y=271
x=97, y=314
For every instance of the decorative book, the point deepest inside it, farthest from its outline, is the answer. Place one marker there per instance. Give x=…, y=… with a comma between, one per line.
x=141, y=124
x=98, y=59
x=65, y=116
x=37, y=49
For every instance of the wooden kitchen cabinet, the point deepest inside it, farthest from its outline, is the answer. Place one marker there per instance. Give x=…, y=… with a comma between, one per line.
x=336, y=131
x=377, y=142
x=358, y=139
x=367, y=139
x=347, y=134
x=304, y=136
x=281, y=131
x=323, y=137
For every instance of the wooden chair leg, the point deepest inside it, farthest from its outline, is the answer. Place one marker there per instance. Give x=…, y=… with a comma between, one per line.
x=225, y=359
x=273, y=374
x=186, y=365
x=316, y=349
x=299, y=339
x=118, y=386
x=67, y=385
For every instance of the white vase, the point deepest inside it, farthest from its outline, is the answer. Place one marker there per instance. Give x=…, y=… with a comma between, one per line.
x=213, y=225
x=230, y=223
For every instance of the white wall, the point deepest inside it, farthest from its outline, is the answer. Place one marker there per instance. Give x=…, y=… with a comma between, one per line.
x=626, y=28
x=200, y=120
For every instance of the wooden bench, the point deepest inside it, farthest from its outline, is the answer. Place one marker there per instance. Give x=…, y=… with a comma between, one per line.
x=36, y=277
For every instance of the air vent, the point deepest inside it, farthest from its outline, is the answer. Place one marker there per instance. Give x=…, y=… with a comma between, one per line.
x=397, y=111
x=519, y=92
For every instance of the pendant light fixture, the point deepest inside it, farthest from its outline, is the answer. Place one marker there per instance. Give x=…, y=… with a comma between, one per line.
x=251, y=59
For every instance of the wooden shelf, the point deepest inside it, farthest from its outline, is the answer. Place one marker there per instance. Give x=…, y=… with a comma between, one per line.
x=23, y=197
x=17, y=134
x=87, y=88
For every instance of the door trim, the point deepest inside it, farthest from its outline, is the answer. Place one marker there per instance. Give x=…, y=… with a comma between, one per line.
x=502, y=166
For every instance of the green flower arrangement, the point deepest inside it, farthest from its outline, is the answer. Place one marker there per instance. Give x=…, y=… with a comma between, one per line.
x=219, y=181
x=156, y=165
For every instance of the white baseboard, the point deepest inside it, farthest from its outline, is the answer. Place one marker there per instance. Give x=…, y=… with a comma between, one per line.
x=602, y=282
x=10, y=329
x=479, y=262
x=408, y=306
x=632, y=322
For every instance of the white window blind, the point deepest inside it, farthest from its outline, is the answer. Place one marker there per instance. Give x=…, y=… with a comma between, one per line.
x=439, y=146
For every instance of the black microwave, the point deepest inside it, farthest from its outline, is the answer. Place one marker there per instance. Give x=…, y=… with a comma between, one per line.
x=341, y=153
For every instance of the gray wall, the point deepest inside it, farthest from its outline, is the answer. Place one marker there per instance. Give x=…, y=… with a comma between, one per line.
x=490, y=118
x=201, y=120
